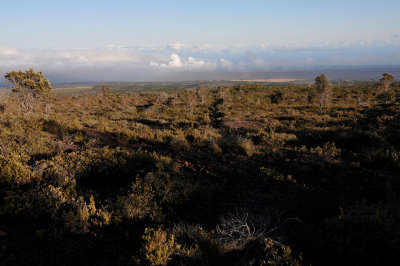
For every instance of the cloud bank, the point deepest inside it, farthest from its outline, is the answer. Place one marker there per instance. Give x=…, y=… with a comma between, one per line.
x=178, y=61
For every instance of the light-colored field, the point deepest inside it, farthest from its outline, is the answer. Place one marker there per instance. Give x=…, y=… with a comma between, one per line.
x=267, y=80
x=71, y=90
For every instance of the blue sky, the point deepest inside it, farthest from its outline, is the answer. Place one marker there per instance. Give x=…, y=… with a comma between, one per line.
x=198, y=35
x=89, y=24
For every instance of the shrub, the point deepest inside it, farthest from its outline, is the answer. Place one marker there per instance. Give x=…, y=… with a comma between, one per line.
x=35, y=202
x=29, y=85
x=196, y=243
x=386, y=96
x=217, y=113
x=247, y=146
x=212, y=146
x=278, y=254
x=276, y=97
x=105, y=170
x=237, y=229
x=12, y=171
x=237, y=144
x=179, y=144
x=159, y=246
x=140, y=203
x=323, y=90
x=82, y=215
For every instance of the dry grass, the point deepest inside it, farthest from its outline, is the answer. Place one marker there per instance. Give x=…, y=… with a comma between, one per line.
x=71, y=90
x=276, y=80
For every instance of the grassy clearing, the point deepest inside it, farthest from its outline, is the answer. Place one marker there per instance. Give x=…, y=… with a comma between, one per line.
x=281, y=80
x=72, y=90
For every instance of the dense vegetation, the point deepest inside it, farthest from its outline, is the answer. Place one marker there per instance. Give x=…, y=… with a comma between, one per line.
x=240, y=175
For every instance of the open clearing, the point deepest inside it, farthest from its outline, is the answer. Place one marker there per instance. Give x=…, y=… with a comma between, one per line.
x=282, y=80
x=71, y=90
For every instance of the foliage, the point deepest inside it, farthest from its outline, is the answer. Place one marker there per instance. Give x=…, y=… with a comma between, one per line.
x=105, y=91
x=321, y=83
x=158, y=246
x=12, y=171
x=386, y=81
x=322, y=90
x=387, y=95
x=29, y=85
x=196, y=244
x=276, y=97
x=278, y=254
x=224, y=175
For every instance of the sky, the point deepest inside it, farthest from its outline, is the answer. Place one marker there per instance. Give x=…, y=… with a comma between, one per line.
x=120, y=40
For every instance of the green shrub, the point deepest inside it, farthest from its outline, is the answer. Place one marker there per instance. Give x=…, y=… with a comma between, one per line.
x=103, y=169
x=12, y=171
x=82, y=215
x=159, y=246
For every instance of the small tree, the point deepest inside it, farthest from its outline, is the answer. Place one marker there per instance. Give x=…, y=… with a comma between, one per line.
x=276, y=97
x=386, y=81
x=159, y=246
x=386, y=94
x=201, y=94
x=105, y=91
x=322, y=89
x=29, y=85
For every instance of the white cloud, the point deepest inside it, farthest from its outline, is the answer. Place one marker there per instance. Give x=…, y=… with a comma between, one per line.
x=190, y=63
x=149, y=62
x=178, y=46
x=109, y=63
x=7, y=50
x=175, y=61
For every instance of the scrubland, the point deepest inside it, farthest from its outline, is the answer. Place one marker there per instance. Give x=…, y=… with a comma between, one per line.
x=239, y=175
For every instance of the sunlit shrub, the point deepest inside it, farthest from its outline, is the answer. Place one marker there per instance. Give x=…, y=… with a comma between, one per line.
x=278, y=254
x=158, y=246
x=237, y=144
x=12, y=171
x=84, y=214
